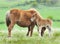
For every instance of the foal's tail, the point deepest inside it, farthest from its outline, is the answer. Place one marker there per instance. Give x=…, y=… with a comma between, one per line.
x=7, y=20
x=50, y=21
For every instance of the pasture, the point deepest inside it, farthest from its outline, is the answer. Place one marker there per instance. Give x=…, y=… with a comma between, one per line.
x=19, y=37
x=19, y=33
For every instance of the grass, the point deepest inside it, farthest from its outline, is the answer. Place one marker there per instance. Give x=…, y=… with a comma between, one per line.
x=19, y=37
x=19, y=33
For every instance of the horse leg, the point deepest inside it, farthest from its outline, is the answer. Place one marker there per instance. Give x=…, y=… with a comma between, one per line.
x=49, y=29
x=10, y=28
x=39, y=30
x=31, y=30
x=28, y=30
x=42, y=30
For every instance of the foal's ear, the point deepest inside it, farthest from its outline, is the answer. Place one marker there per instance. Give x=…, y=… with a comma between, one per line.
x=33, y=18
x=34, y=15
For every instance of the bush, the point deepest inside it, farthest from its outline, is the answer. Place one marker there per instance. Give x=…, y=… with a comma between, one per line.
x=50, y=17
x=34, y=4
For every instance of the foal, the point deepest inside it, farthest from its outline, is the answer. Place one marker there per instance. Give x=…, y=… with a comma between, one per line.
x=42, y=24
x=45, y=23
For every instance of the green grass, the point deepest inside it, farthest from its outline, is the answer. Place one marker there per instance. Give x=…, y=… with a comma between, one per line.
x=19, y=33
x=19, y=37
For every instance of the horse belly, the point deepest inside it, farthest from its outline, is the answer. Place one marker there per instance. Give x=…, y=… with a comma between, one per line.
x=23, y=23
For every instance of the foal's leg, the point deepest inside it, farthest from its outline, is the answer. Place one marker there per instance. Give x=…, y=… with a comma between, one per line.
x=42, y=30
x=10, y=28
x=39, y=30
x=49, y=29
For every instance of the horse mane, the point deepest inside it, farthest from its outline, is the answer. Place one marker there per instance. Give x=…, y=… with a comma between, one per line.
x=38, y=14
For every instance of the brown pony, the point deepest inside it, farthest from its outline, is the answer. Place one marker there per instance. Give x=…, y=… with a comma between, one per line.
x=42, y=24
x=21, y=18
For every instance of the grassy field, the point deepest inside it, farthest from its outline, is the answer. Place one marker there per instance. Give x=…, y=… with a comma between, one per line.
x=19, y=37
x=19, y=33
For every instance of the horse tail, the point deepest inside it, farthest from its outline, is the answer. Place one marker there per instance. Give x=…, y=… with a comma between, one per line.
x=8, y=19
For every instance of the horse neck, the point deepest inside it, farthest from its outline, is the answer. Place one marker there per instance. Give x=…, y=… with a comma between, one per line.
x=39, y=18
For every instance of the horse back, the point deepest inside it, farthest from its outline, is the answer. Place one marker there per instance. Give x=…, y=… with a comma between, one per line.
x=21, y=17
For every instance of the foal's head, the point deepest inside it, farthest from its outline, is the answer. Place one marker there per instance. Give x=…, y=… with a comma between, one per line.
x=36, y=16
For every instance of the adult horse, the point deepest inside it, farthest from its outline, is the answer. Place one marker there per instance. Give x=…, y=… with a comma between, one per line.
x=21, y=18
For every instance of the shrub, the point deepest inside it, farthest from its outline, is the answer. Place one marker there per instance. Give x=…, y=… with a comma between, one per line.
x=50, y=17
x=34, y=4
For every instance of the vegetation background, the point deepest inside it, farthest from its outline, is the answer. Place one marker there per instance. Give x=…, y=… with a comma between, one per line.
x=47, y=9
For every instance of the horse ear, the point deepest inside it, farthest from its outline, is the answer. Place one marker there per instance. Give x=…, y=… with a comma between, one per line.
x=32, y=11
